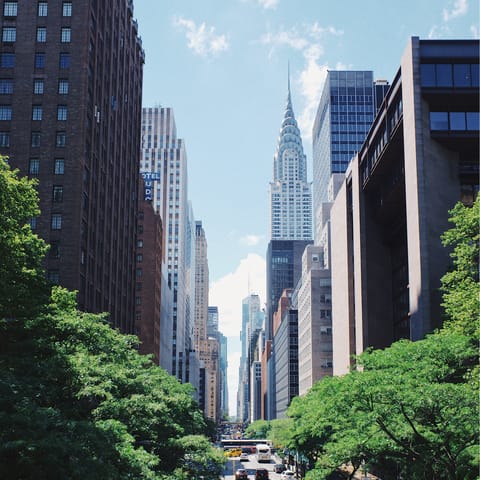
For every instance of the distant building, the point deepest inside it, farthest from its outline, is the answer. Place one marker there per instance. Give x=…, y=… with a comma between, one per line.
x=224, y=376
x=314, y=305
x=420, y=157
x=284, y=270
x=344, y=115
x=285, y=341
x=164, y=162
x=290, y=192
x=153, y=330
x=207, y=347
x=71, y=120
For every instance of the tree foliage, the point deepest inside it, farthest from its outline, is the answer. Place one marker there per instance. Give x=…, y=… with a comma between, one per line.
x=412, y=409
x=22, y=282
x=77, y=400
x=258, y=429
x=461, y=286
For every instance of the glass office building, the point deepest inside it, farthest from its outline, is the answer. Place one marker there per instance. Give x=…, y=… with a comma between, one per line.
x=344, y=115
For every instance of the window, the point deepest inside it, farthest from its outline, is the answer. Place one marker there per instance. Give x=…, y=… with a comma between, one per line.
x=6, y=86
x=9, y=34
x=54, y=251
x=42, y=9
x=10, y=9
x=38, y=86
x=41, y=34
x=5, y=112
x=139, y=258
x=56, y=223
x=7, y=60
x=473, y=121
x=60, y=139
x=66, y=35
x=33, y=223
x=64, y=60
x=57, y=193
x=457, y=121
x=59, y=166
x=67, y=9
x=39, y=60
x=61, y=112
x=54, y=276
x=36, y=137
x=63, y=87
x=4, y=139
x=34, y=166
x=37, y=112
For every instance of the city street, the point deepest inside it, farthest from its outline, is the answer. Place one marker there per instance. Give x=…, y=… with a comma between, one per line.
x=250, y=466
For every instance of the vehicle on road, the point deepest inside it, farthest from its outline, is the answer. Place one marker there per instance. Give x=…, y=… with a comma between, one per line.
x=279, y=468
x=244, y=457
x=287, y=475
x=261, y=474
x=241, y=474
x=264, y=453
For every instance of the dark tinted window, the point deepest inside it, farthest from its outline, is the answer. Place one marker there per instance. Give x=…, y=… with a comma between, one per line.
x=444, y=75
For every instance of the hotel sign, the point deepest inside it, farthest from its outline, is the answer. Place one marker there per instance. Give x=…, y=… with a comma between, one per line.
x=148, y=179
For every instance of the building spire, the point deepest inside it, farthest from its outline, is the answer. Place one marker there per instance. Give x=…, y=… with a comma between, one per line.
x=289, y=100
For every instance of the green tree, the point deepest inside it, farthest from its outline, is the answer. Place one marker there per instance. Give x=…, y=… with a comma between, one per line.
x=411, y=409
x=23, y=289
x=461, y=286
x=200, y=459
x=77, y=400
x=258, y=429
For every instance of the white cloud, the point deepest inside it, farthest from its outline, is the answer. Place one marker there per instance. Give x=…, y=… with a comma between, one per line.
x=312, y=77
x=289, y=38
x=228, y=292
x=317, y=31
x=251, y=240
x=202, y=39
x=266, y=4
x=474, y=30
x=459, y=8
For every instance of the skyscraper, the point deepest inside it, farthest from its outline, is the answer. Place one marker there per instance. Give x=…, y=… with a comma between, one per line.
x=70, y=117
x=419, y=159
x=290, y=192
x=344, y=115
x=164, y=161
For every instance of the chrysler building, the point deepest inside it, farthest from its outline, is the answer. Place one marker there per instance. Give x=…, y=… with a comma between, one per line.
x=290, y=193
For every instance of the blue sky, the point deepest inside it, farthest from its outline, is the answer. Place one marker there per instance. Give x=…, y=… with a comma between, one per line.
x=222, y=66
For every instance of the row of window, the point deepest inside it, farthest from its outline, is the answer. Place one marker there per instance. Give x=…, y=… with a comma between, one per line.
x=10, y=9
x=36, y=139
x=7, y=60
x=9, y=34
x=37, y=112
x=449, y=75
x=55, y=222
x=6, y=86
x=455, y=121
x=58, y=167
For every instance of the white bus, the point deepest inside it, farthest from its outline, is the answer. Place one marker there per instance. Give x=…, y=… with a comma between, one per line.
x=264, y=453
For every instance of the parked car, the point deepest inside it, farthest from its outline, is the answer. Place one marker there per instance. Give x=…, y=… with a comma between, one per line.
x=244, y=457
x=279, y=468
x=241, y=474
x=287, y=475
x=261, y=474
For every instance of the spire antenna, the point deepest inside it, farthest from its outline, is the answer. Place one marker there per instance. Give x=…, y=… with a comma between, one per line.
x=288, y=76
